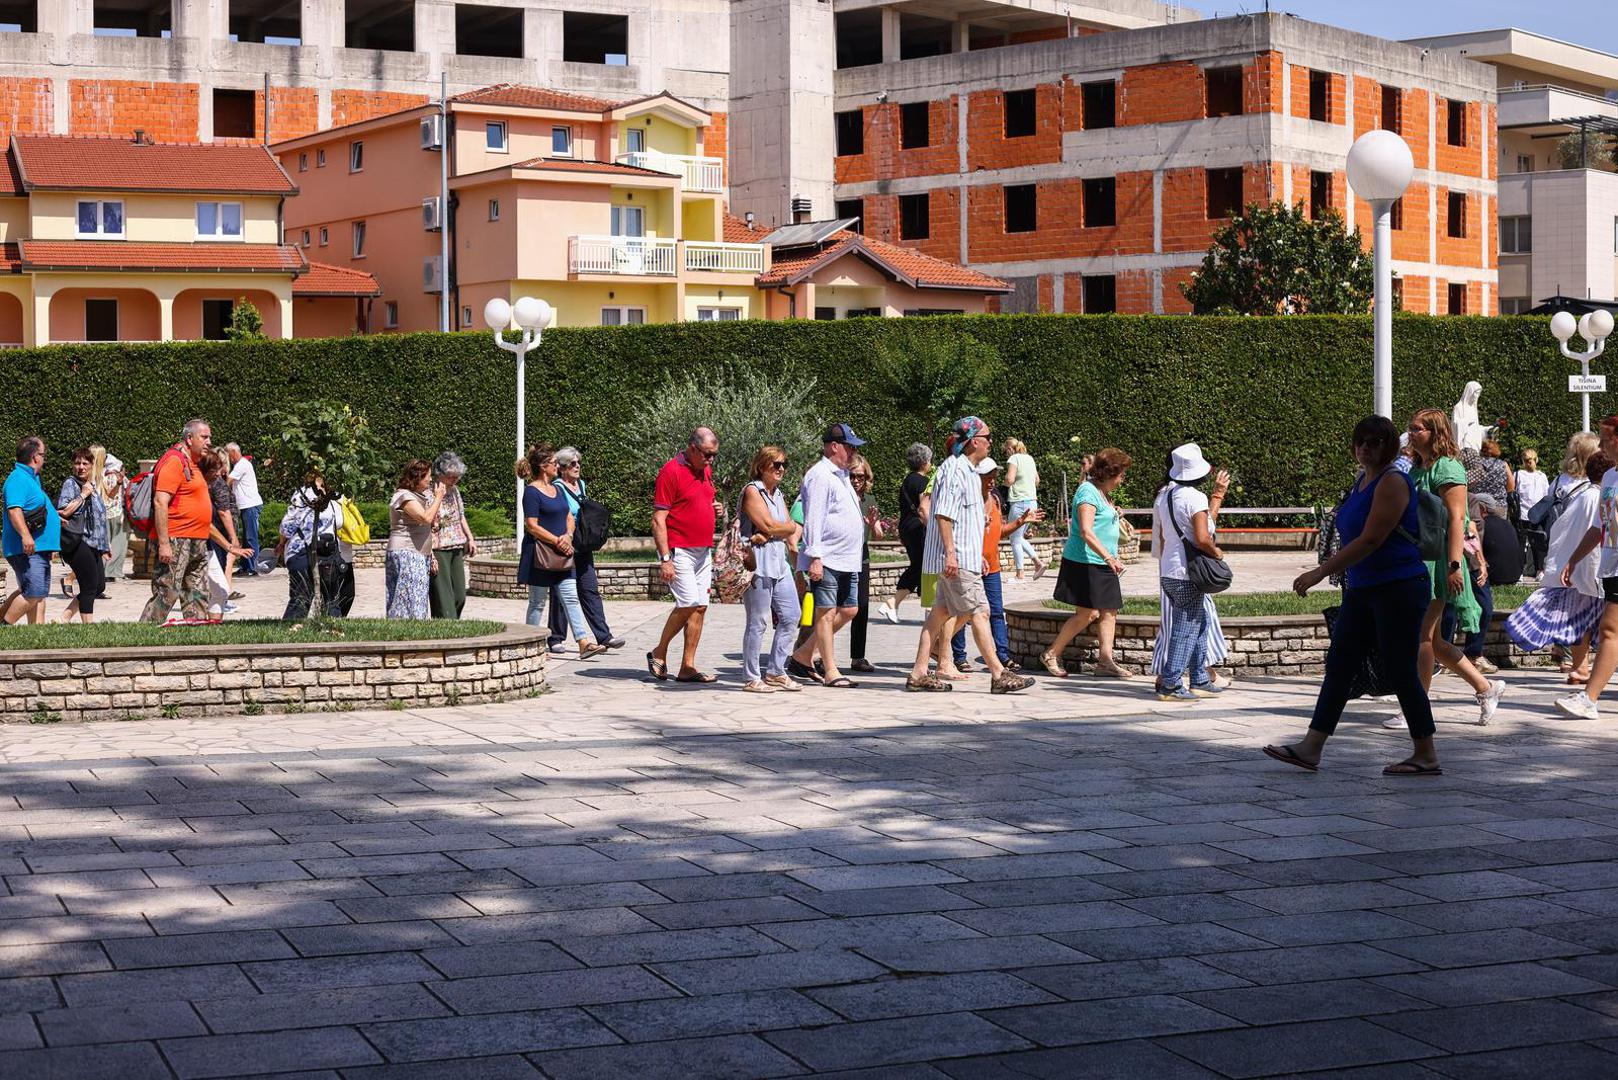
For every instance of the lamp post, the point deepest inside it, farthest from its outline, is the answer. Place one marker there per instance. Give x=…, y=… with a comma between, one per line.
x=1379, y=170
x=1594, y=328
x=532, y=317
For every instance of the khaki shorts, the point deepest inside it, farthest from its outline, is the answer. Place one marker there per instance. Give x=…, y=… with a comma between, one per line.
x=962, y=594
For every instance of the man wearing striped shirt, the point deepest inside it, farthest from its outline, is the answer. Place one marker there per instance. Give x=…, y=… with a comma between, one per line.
x=954, y=551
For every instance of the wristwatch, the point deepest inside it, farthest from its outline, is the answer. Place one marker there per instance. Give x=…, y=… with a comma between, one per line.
x=665, y=558
x=1454, y=566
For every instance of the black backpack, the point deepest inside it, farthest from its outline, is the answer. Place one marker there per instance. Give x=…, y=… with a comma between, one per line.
x=1547, y=510
x=590, y=524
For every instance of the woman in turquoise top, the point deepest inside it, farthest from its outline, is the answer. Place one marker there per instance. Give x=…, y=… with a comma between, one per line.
x=1090, y=567
x=1438, y=470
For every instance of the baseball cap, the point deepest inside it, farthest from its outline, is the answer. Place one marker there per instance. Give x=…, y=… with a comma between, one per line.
x=967, y=427
x=987, y=466
x=844, y=434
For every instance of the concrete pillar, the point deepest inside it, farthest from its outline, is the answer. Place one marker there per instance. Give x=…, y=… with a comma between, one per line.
x=890, y=35
x=165, y=317
x=42, y=316
x=285, y=302
x=435, y=34
x=960, y=36
x=321, y=25
x=27, y=319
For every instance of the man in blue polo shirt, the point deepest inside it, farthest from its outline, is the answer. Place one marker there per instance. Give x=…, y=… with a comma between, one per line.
x=30, y=534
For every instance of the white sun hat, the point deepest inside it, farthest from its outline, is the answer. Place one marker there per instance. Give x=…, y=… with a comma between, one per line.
x=1188, y=464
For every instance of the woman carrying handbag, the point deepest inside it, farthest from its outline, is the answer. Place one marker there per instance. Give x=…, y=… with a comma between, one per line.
x=1190, y=565
x=545, y=563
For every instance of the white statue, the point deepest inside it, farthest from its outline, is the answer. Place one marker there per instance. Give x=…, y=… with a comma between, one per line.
x=1469, y=433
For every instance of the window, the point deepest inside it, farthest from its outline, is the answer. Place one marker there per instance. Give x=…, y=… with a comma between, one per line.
x=1020, y=120
x=1525, y=162
x=325, y=235
x=266, y=24
x=851, y=208
x=494, y=209
x=1457, y=298
x=850, y=133
x=1320, y=96
x=356, y=157
x=1392, y=110
x=1100, y=105
x=1516, y=235
x=914, y=125
x=216, y=319
x=1224, y=193
x=622, y=316
x=488, y=31
x=1396, y=216
x=825, y=314
x=859, y=37
x=591, y=38
x=219, y=221
x=466, y=315
x=1100, y=202
x=718, y=314
x=636, y=140
x=1514, y=305
x=306, y=238
x=494, y=137
x=139, y=18
x=1319, y=194
x=915, y=217
x=1224, y=91
x=103, y=218
x=379, y=24
x=561, y=142
x=1100, y=294
x=19, y=17
x=320, y=159
x=303, y=162
x=234, y=114
x=1022, y=213
x=1456, y=136
x=1457, y=214
x=390, y=315
x=101, y=320
x=628, y=221
x=359, y=239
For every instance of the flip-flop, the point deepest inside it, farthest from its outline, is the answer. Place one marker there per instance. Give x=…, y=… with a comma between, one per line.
x=699, y=677
x=1412, y=768
x=1290, y=756
x=658, y=668
x=843, y=682
x=804, y=672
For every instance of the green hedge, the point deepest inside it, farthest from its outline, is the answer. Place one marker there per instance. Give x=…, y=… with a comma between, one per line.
x=1274, y=398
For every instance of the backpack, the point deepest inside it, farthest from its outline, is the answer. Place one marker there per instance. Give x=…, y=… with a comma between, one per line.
x=1546, y=511
x=590, y=524
x=353, y=529
x=1432, y=527
x=140, y=495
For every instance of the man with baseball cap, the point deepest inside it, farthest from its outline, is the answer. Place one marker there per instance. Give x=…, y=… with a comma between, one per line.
x=833, y=538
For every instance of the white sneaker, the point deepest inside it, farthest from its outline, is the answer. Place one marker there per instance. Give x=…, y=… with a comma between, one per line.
x=1221, y=681
x=1490, y=701
x=1485, y=666
x=1579, y=706
x=887, y=612
x=1395, y=722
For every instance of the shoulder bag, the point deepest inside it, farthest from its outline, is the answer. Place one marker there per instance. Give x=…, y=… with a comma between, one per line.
x=547, y=558
x=1202, y=571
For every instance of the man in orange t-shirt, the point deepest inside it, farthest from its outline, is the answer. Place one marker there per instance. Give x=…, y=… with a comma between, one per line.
x=181, y=514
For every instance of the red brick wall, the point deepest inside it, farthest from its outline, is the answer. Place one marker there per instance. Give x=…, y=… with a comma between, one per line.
x=1460, y=251
x=26, y=107
x=944, y=222
x=167, y=112
x=1415, y=290
x=294, y=111
x=986, y=144
x=1463, y=160
x=1185, y=205
x=1160, y=94
x=1134, y=292
x=883, y=159
x=1174, y=301
x=352, y=106
x=1261, y=83
x=1337, y=96
x=714, y=138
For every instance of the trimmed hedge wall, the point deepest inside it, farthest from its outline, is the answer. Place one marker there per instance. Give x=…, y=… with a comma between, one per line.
x=1273, y=398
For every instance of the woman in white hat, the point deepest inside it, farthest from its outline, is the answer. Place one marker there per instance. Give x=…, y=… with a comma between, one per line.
x=1181, y=516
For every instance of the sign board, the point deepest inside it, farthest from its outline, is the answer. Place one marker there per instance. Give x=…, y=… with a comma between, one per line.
x=1587, y=384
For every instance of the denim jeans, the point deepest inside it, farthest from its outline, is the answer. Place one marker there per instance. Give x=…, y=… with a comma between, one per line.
x=997, y=623
x=1188, y=635
x=1021, y=548
x=567, y=591
x=1474, y=639
x=249, y=537
x=595, y=613
x=764, y=598
x=1387, y=617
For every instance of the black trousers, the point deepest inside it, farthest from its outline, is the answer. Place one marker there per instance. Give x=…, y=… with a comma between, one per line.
x=595, y=612
x=87, y=566
x=1387, y=618
x=862, y=621
x=336, y=585
x=915, y=543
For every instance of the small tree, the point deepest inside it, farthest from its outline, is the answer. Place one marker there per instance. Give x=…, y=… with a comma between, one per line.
x=332, y=439
x=938, y=375
x=1273, y=260
x=1591, y=150
x=246, y=324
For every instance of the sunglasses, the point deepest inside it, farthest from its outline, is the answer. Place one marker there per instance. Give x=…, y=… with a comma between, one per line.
x=778, y=466
x=708, y=455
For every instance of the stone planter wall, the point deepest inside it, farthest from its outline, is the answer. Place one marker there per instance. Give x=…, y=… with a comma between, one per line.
x=213, y=680
x=374, y=556
x=1274, y=645
x=497, y=578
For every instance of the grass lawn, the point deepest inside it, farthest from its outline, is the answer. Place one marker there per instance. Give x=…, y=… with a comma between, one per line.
x=120, y=635
x=1237, y=605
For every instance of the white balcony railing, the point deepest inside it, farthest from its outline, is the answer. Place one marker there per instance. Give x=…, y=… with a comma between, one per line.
x=696, y=173
x=724, y=258
x=631, y=255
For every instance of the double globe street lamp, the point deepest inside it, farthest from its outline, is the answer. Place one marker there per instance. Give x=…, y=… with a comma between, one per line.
x=1594, y=328
x=532, y=316
x=1379, y=169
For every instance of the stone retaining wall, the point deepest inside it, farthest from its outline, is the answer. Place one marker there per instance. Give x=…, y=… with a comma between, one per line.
x=374, y=556
x=497, y=578
x=198, y=680
x=1271, y=645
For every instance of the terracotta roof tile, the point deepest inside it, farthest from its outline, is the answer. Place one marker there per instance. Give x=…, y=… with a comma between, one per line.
x=10, y=260
x=737, y=231
x=151, y=256
x=577, y=165
x=534, y=97
x=10, y=181
x=925, y=270
x=324, y=279
x=118, y=164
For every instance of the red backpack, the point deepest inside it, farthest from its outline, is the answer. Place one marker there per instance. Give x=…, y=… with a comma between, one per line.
x=139, y=495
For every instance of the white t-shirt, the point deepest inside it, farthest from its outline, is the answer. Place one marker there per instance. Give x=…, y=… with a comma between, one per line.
x=1609, y=523
x=1188, y=502
x=1531, y=487
x=244, y=485
x=1563, y=482
x=1580, y=512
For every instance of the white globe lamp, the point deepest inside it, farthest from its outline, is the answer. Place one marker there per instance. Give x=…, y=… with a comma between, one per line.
x=1600, y=324
x=1380, y=166
x=532, y=314
x=1379, y=170
x=497, y=314
x=1563, y=325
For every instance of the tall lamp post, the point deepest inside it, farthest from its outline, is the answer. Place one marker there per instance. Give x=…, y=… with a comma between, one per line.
x=1379, y=170
x=1594, y=328
x=532, y=317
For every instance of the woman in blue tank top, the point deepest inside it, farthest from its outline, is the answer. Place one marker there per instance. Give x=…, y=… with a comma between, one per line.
x=1385, y=596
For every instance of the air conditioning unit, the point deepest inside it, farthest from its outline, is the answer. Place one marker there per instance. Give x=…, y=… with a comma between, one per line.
x=432, y=274
x=432, y=132
x=432, y=217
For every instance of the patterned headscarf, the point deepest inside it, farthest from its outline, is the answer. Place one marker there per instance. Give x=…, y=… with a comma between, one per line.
x=967, y=427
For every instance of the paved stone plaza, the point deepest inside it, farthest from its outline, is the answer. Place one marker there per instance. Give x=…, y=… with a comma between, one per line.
x=625, y=878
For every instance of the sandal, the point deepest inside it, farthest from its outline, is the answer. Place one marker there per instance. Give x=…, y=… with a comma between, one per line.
x=1412, y=768
x=804, y=672
x=783, y=682
x=759, y=686
x=843, y=682
x=1110, y=671
x=1290, y=756
x=1052, y=664
x=697, y=677
x=926, y=684
x=658, y=668
x=591, y=650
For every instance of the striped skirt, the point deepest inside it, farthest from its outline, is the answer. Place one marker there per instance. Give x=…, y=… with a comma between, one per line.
x=1218, y=647
x=1553, y=616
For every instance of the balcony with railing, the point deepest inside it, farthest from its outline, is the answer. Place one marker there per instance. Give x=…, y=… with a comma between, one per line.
x=706, y=255
x=697, y=173
x=632, y=256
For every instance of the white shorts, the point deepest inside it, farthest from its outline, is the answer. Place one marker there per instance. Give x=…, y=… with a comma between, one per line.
x=693, y=576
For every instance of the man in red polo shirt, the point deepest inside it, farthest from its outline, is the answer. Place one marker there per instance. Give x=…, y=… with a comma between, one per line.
x=683, y=517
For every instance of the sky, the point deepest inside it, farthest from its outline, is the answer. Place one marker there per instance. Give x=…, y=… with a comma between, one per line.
x=1593, y=23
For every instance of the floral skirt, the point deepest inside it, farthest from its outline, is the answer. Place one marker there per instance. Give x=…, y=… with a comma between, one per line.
x=407, y=585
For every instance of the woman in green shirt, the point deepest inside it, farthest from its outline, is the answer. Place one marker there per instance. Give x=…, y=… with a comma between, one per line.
x=1022, y=480
x=1438, y=469
x=1091, y=568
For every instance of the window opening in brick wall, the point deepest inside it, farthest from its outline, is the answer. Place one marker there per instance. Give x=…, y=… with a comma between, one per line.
x=591, y=38
x=921, y=35
x=235, y=114
x=1100, y=202
x=380, y=24
x=1224, y=193
x=1224, y=91
x=267, y=22
x=859, y=38
x=19, y=18
x=1100, y=104
x=850, y=133
x=915, y=124
x=1020, y=119
x=1320, y=96
x=488, y=31
x=1457, y=298
x=851, y=208
x=1022, y=213
x=1457, y=215
x=1396, y=215
x=1392, y=110
x=1023, y=299
x=1319, y=194
x=1516, y=235
x=915, y=216
x=1100, y=294
x=133, y=18
x=1456, y=135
